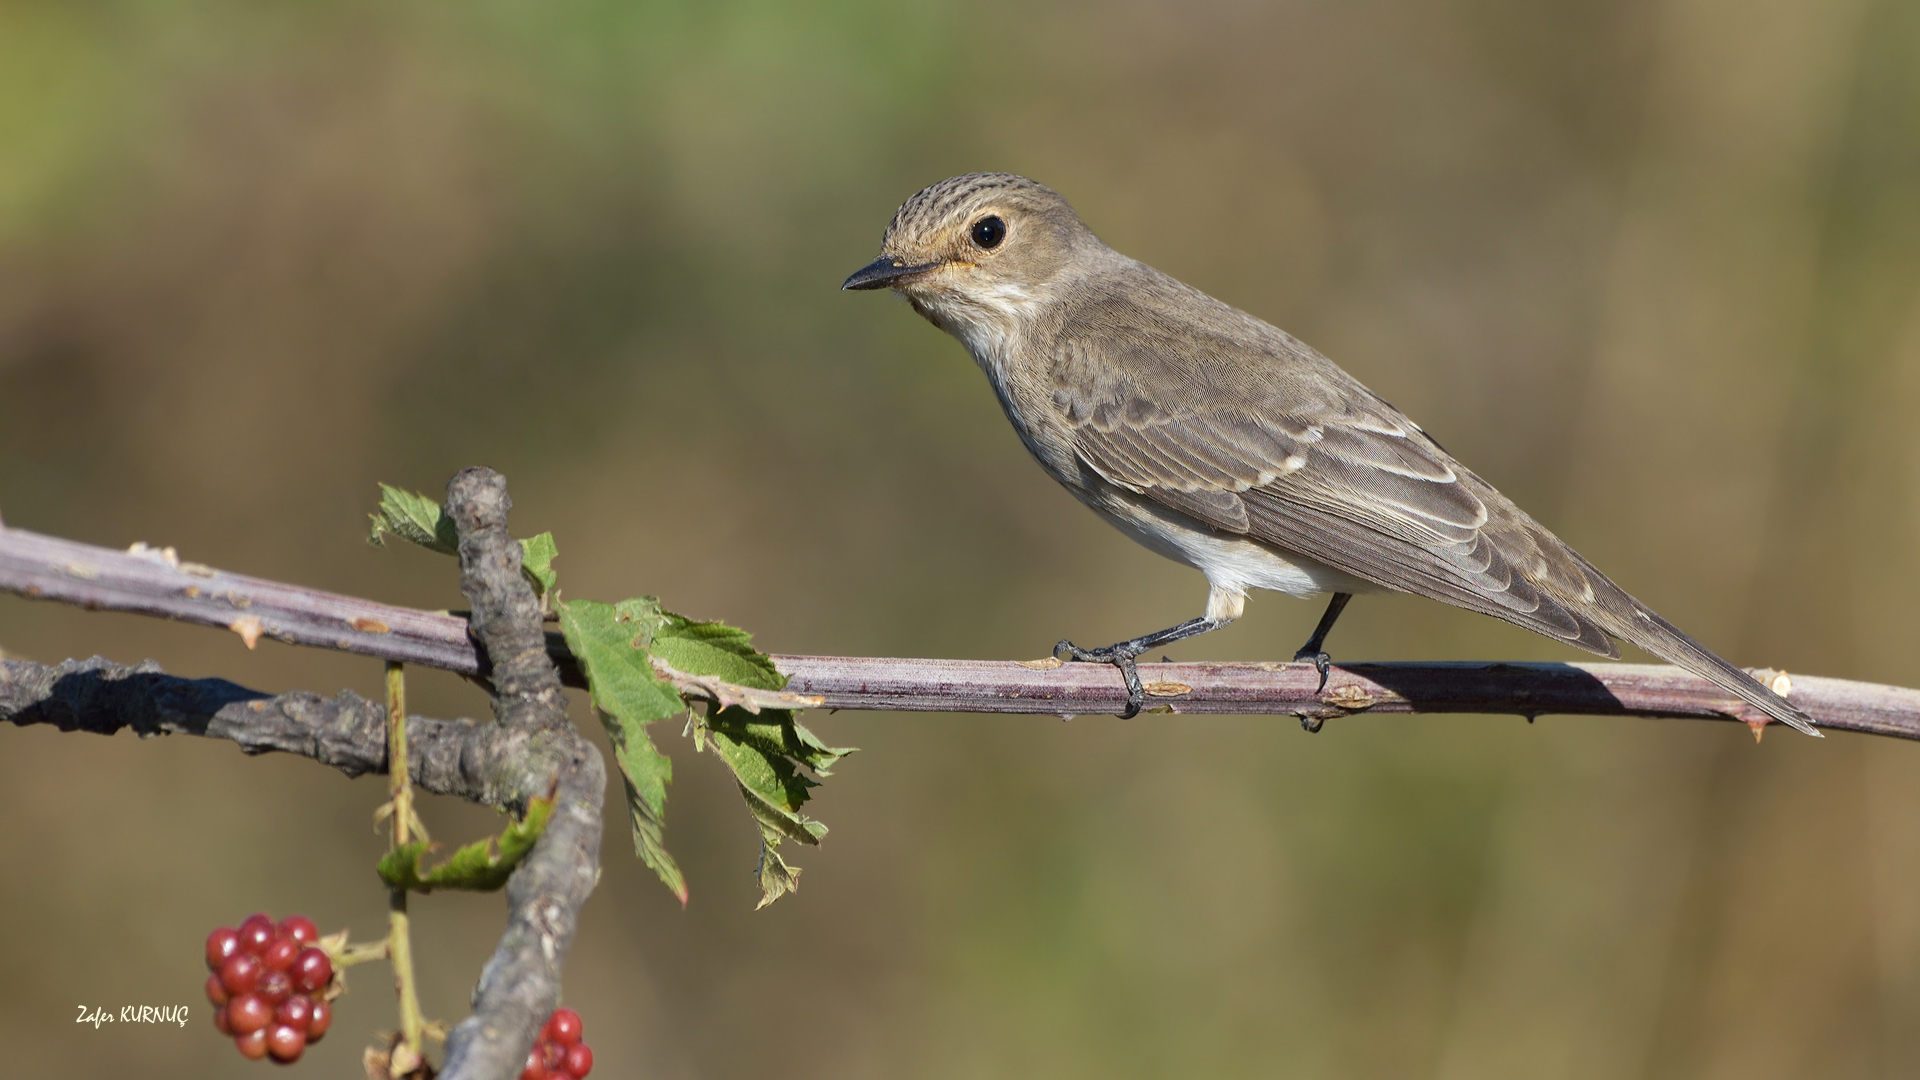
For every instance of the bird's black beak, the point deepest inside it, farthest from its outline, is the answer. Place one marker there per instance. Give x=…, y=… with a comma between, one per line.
x=883, y=272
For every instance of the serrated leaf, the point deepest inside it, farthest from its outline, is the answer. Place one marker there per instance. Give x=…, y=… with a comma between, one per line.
x=815, y=754
x=484, y=865
x=773, y=788
x=777, y=879
x=609, y=641
x=648, y=820
x=536, y=561
x=765, y=751
x=727, y=652
x=716, y=649
x=412, y=516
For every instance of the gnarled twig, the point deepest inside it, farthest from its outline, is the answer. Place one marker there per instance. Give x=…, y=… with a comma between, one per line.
x=520, y=985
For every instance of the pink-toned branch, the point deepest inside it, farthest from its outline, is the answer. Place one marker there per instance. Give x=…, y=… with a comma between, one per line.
x=156, y=582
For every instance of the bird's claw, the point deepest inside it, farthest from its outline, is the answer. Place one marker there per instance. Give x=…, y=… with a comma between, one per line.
x=1118, y=657
x=1321, y=663
x=1067, y=650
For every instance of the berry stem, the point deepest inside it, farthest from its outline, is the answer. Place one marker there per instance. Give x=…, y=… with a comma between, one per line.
x=398, y=781
x=349, y=955
x=399, y=944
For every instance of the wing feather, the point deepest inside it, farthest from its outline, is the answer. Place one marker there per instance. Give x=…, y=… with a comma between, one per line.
x=1352, y=484
x=1171, y=395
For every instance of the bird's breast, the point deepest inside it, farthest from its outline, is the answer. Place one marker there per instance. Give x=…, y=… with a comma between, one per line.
x=995, y=335
x=1030, y=408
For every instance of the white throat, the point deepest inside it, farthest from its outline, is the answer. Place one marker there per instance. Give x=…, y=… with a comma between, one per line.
x=987, y=320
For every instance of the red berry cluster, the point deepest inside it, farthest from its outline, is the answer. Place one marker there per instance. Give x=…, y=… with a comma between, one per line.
x=559, y=1055
x=269, y=986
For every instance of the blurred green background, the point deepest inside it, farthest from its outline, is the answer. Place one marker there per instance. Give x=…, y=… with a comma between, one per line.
x=1651, y=266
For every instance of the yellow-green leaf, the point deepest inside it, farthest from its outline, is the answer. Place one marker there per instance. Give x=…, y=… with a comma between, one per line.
x=483, y=865
x=412, y=516
x=536, y=561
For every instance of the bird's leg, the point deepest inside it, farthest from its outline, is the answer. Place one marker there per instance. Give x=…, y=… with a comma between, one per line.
x=1312, y=649
x=1121, y=653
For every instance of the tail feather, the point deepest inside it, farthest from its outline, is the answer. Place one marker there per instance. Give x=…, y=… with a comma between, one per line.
x=1646, y=629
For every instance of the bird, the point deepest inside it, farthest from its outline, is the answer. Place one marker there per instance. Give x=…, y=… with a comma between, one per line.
x=1220, y=441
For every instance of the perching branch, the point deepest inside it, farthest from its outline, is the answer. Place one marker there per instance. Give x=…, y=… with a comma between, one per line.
x=1519, y=689
x=154, y=582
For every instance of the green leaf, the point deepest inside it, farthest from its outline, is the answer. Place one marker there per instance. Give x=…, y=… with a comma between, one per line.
x=774, y=788
x=770, y=754
x=412, y=516
x=777, y=879
x=766, y=752
x=646, y=809
x=483, y=865
x=536, y=561
x=727, y=652
x=716, y=649
x=610, y=641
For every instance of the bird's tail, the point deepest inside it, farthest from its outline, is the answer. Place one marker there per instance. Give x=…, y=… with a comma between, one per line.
x=1646, y=629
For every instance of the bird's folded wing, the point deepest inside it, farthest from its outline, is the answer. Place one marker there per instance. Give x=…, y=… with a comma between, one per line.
x=1349, y=482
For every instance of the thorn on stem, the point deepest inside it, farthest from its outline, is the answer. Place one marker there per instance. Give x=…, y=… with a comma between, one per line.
x=249, y=628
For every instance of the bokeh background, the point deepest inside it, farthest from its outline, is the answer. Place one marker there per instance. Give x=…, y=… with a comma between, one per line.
x=1651, y=266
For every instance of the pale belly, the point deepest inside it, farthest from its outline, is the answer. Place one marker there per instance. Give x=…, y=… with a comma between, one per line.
x=1232, y=564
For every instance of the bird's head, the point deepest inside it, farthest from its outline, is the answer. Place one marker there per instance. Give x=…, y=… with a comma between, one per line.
x=978, y=252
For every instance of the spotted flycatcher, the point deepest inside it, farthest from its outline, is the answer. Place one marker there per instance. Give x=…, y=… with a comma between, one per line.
x=1223, y=443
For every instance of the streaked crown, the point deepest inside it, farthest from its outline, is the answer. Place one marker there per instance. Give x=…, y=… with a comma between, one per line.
x=973, y=237
x=944, y=209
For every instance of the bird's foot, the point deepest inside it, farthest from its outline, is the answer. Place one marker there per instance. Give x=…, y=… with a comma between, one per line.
x=1321, y=663
x=1120, y=655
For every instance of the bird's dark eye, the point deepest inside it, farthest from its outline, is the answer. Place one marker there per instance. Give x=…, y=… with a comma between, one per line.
x=988, y=232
